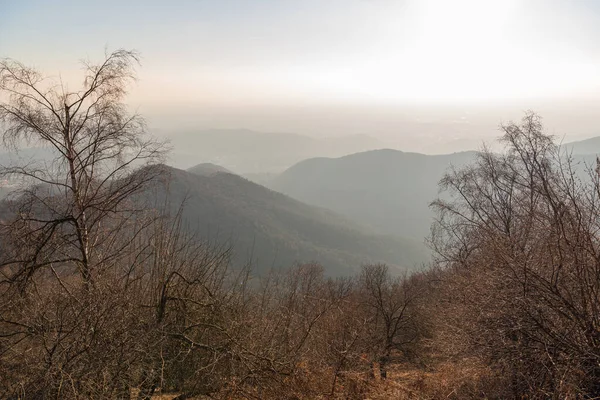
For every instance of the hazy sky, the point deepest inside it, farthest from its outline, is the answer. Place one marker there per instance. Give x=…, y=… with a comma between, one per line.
x=393, y=68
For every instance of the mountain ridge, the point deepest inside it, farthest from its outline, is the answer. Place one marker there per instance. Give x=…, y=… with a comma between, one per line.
x=279, y=230
x=388, y=190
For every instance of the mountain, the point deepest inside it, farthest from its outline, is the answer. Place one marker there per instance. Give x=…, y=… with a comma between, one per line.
x=247, y=152
x=208, y=169
x=387, y=190
x=588, y=146
x=39, y=157
x=275, y=230
x=25, y=155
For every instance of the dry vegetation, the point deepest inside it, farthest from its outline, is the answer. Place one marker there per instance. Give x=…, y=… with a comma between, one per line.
x=101, y=298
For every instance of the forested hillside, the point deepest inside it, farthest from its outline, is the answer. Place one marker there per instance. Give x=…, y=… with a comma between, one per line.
x=388, y=190
x=273, y=230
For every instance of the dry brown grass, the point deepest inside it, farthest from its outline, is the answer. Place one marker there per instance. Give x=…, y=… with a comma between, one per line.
x=448, y=380
x=467, y=379
x=158, y=396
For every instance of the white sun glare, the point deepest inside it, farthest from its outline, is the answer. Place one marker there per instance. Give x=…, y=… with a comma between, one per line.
x=442, y=50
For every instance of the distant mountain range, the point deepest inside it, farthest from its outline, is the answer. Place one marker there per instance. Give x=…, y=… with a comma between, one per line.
x=248, y=152
x=259, y=155
x=379, y=198
x=274, y=230
x=582, y=147
x=388, y=190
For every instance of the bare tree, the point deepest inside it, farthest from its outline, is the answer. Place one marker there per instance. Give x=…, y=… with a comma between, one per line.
x=67, y=210
x=389, y=302
x=70, y=236
x=519, y=239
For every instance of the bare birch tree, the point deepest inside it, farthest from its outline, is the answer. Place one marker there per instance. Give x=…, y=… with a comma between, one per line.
x=67, y=210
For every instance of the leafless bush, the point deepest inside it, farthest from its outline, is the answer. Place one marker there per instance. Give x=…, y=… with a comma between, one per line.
x=520, y=241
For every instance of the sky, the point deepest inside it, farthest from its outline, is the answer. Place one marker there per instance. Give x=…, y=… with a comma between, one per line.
x=414, y=72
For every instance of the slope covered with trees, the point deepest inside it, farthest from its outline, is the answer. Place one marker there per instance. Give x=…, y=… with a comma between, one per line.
x=388, y=190
x=274, y=230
